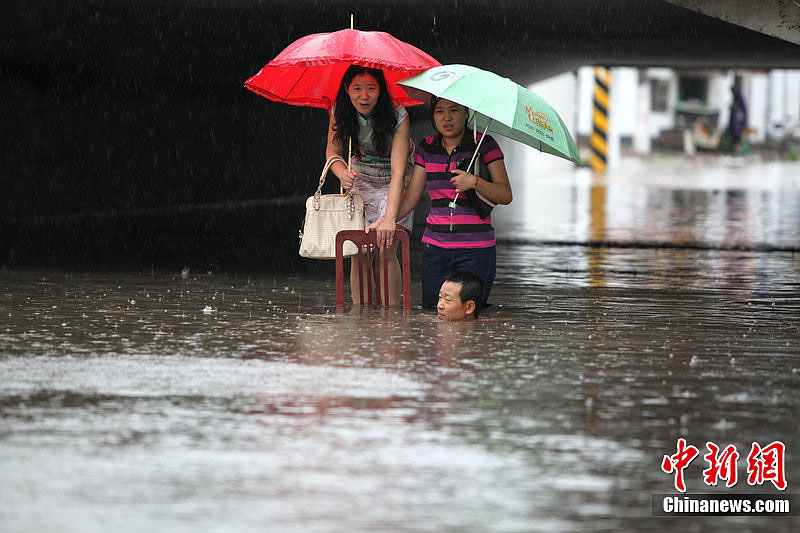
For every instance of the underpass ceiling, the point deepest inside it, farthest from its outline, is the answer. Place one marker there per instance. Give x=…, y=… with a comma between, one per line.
x=778, y=18
x=212, y=46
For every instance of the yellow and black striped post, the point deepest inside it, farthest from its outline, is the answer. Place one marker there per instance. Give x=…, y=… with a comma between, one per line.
x=599, y=137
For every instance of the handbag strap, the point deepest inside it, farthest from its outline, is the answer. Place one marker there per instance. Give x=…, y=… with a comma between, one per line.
x=318, y=194
x=331, y=160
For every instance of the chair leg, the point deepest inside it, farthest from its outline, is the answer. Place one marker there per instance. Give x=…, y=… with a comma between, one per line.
x=376, y=276
x=369, y=254
x=360, y=277
x=365, y=260
x=406, y=272
x=339, y=272
x=386, y=276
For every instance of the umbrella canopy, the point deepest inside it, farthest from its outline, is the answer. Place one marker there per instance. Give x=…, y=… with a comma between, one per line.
x=506, y=107
x=308, y=72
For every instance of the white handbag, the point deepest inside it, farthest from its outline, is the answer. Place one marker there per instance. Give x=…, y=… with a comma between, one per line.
x=328, y=214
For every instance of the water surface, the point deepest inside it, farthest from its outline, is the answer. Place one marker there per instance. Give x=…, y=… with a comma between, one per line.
x=158, y=401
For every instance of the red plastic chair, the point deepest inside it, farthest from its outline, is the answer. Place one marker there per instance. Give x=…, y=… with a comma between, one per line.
x=368, y=250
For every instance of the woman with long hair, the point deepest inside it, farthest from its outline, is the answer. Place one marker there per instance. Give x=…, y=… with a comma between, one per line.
x=365, y=122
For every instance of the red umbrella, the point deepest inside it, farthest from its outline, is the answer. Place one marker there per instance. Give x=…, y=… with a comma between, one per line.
x=308, y=72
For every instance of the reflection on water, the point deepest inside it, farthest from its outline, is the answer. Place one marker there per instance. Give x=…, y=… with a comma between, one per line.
x=625, y=267
x=162, y=402
x=669, y=201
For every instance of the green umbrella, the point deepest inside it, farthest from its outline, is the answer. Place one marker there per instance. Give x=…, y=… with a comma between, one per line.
x=501, y=105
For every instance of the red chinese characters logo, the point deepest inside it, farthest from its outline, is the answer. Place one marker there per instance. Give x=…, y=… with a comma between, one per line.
x=763, y=464
x=766, y=464
x=720, y=466
x=678, y=462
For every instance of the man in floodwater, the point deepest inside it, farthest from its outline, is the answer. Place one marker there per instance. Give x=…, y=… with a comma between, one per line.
x=460, y=297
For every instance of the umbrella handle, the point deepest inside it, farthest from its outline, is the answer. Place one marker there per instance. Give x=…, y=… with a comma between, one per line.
x=349, y=156
x=483, y=136
x=471, y=161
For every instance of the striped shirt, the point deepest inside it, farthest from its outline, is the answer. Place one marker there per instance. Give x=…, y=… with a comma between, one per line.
x=469, y=230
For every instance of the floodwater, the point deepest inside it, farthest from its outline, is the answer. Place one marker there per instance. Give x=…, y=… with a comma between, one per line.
x=639, y=312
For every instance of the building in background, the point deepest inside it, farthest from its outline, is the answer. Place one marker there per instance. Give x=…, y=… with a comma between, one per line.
x=663, y=109
x=688, y=110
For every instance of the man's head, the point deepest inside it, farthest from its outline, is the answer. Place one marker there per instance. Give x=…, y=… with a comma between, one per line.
x=460, y=296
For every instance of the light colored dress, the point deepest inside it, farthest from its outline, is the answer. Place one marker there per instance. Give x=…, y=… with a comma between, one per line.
x=374, y=171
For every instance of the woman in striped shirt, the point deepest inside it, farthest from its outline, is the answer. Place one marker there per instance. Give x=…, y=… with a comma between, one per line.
x=456, y=237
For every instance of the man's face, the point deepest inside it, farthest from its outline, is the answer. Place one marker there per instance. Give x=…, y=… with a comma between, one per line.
x=450, y=306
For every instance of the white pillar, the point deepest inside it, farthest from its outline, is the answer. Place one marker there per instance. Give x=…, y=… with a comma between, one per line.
x=584, y=101
x=621, y=115
x=720, y=96
x=792, y=84
x=783, y=106
x=776, y=107
x=642, y=143
x=756, y=91
x=662, y=119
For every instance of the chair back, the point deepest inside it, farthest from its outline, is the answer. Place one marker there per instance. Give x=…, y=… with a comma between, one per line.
x=367, y=255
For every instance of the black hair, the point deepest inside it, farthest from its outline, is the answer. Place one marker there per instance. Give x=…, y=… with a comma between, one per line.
x=435, y=100
x=471, y=287
x=346, y=115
